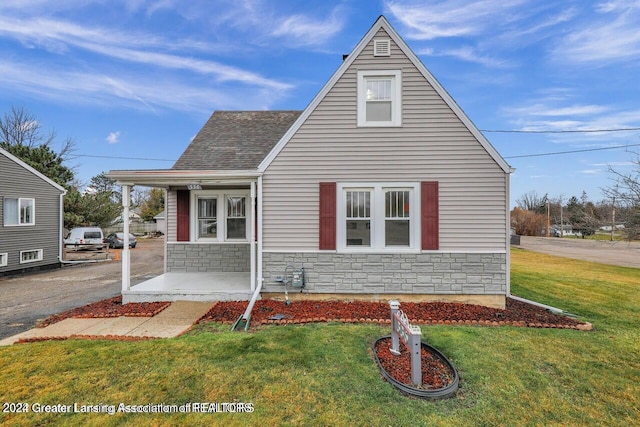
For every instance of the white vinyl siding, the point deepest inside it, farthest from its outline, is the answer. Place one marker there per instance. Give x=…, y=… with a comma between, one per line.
x=171, y=214
x=432, y=145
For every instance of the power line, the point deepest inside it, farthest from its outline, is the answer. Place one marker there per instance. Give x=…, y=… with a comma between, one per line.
x=122, y=158
x=572, y=151
x=560, y=131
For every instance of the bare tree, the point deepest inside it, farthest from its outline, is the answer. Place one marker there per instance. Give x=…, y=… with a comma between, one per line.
x=532, y=201
x=626, y=193
x=21, y=131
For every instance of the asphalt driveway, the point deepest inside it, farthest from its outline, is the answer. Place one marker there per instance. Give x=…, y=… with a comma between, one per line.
x=625, y=254
x=30, y=297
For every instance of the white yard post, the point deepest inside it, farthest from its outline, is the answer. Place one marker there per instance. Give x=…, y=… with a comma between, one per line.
x=126, y=266
x=395, y=342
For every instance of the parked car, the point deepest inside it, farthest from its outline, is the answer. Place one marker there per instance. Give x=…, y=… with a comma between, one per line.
x=116, y=240
x=84, y=236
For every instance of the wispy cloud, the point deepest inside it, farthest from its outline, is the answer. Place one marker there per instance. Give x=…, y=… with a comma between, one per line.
x=428, y=20
x=113, y=137
x=59, y=35
x=469, y=54
x=129, y=90
x=610, y=37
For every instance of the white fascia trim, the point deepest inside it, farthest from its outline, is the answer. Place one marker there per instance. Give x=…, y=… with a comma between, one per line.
x=32, y=170
x=384, y=24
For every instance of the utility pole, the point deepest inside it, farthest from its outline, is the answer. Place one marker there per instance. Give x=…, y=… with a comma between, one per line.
x=561, y=221
x=548, y=221
x=613, y=217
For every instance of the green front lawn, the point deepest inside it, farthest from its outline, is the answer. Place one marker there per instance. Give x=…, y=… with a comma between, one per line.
x=324, y=374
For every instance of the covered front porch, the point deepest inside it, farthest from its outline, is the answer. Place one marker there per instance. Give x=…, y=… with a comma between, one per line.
x=211, y=247
x=208, y=286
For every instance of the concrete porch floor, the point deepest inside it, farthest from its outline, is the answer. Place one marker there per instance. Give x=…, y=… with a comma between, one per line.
x=192, y=287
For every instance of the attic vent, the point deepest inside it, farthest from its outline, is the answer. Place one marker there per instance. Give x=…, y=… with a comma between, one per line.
x=382, y=47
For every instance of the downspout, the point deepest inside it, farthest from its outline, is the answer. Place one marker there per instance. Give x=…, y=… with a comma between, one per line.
x=244, y=319
x=61, y=230
x=252, y=236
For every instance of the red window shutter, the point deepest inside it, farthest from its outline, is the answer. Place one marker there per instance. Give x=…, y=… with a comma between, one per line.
x=183, y=215
x=430, y=215
x=327, y=215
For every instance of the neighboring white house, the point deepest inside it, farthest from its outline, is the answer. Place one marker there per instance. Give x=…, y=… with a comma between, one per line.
x=381, y=188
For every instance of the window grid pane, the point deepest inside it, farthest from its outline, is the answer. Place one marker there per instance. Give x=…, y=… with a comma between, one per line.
x=236, y=207
x=378, y=89
x=358, y=204
x=397, y=204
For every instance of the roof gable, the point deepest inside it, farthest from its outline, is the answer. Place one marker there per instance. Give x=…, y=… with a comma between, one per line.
x=235, y=140
x=383, y=24
x=32, y=170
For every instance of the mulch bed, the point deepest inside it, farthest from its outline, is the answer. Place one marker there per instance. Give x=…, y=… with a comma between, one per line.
x=276, y=312
x=111, y=307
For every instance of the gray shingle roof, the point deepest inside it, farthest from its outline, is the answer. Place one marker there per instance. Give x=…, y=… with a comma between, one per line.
x=236, y=140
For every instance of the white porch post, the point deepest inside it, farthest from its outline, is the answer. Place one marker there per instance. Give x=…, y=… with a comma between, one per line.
x=252, y=241
x=126, y=266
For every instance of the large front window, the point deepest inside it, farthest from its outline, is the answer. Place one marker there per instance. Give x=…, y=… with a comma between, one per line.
x=378, y=217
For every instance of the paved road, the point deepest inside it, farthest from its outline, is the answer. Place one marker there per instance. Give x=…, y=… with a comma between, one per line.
x=624, y=254
x=26, y=299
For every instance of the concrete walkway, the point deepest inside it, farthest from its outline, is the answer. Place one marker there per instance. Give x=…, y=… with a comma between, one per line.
x=170, y=322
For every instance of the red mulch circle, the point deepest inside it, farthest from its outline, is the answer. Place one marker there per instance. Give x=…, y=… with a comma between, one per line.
x=111, y=307
x=305, y=311
x=435, y=373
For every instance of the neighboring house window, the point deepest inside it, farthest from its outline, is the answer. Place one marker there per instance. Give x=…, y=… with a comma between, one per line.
x=4, y=259
x=30, y=256
x=219, y=216
x=379, y=98
x=378, y=217
x=236, y=217
x=18, y=211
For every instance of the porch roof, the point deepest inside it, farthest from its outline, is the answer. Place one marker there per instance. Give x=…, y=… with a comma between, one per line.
x=172, y=177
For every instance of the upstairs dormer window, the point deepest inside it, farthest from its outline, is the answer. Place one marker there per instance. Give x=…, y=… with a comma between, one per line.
x=379, y=98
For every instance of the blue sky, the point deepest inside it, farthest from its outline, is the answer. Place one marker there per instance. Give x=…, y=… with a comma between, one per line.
x=137, y=78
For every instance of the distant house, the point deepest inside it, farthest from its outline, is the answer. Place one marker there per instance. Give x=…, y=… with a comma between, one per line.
x=381, y=188
x=161, y=222
x=32, y=215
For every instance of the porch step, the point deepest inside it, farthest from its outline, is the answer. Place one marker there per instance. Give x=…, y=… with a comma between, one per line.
x=183, y=295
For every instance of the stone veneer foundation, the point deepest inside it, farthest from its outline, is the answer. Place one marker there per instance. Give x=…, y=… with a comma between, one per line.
x=437, y=274
x=208, y=257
